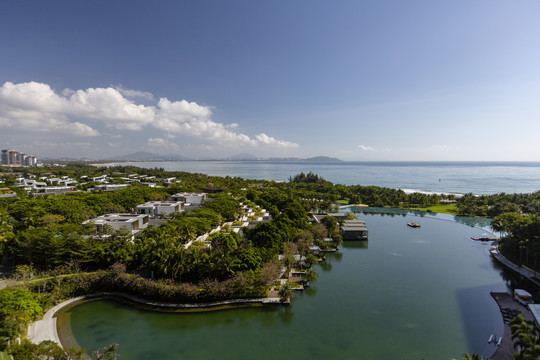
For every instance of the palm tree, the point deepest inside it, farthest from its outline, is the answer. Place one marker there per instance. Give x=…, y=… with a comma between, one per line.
x=527, y=342
x=286, y=293
x=472, y=357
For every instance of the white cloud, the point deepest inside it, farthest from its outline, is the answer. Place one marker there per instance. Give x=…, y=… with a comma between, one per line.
x=159, y=142
x=108, y=105
x=268, y=140
x=66, y=145
x=36, y=106
x=77, y=129
x=134, y=93
x=365, y=148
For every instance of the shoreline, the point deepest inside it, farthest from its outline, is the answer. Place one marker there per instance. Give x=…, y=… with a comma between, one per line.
x=506, y=302
x=46, y=328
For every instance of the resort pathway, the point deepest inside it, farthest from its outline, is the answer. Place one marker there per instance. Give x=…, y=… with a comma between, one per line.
x=526, y=272
x=508, y=305
x=45, y=329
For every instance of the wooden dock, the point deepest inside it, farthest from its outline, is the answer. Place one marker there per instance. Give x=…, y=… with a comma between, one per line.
x=509, y=310
x=486, y=238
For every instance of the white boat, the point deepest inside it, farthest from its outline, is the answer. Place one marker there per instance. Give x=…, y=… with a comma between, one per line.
x=523, y=297
x=491, y=338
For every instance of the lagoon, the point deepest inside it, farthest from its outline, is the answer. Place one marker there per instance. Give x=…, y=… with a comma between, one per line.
x=404, y=293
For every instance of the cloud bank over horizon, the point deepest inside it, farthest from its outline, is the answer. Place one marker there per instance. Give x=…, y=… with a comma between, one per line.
x=34, y=107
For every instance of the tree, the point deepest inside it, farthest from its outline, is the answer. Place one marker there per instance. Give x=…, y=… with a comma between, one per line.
x=525, y=337
x=310, y=275
x=320, y=232
x=6, y=234
x=472, y=357
x=45, y=350
x=17, y=308
x=286, y=293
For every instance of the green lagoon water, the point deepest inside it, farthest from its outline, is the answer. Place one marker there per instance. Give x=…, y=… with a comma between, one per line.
x=405, y=293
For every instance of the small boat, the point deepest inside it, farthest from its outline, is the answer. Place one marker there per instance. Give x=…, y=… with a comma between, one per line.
x=413, y=224
x=499, y=342
x=491, y=338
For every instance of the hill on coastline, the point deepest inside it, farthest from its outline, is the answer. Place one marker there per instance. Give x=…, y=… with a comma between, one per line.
x=147, y=156
x=322, y=159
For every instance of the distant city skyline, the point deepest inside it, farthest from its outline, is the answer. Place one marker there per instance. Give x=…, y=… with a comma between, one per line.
x=356, y=80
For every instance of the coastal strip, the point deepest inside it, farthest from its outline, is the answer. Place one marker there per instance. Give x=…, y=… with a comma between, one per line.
x=46, y=328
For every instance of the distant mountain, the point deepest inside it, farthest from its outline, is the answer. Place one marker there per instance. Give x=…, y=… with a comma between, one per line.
x=322, y=159
x=314, y=159
x=177, y=157
x=147, y=156
x=243, y=156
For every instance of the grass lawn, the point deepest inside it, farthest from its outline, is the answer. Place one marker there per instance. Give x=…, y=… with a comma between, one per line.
x=441, y=208
x=4, y=356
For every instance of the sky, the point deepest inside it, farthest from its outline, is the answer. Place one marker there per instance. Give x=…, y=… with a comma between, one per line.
x=416, y=80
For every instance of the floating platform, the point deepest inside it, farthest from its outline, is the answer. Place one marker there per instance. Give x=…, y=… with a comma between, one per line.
x=486, y=238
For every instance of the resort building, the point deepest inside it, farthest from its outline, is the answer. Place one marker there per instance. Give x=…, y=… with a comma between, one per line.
x=108, y=187
x=159, y=208
x=354, y=230
x=53, y=190
x=6, y=193
x=13, y=157
x=190, y=198
x=134, y=223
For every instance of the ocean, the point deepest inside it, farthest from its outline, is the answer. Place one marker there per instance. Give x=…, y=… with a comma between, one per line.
x=481, y=178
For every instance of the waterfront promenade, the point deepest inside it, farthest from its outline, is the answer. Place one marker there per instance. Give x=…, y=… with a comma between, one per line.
x=45, y=329
x=507, y=303
x=524, y=271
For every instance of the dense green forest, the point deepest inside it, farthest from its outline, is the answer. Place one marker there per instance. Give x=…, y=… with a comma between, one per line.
x=43, y=241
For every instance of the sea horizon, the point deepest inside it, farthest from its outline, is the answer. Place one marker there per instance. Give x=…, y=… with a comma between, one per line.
x=458, y=178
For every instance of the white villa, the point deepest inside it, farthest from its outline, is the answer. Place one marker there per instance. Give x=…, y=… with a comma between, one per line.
x=134, y=223
x=190, y=198
x=157, y=208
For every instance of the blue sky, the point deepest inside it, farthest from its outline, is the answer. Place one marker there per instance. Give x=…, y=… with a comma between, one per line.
x=358, y=80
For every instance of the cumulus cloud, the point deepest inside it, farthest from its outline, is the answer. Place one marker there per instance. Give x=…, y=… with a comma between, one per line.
x=268, y=140
x=37, y=107
x=134, y=93
x=108, y=105
x=159, y=142
x=365, y=148
x=77, y=129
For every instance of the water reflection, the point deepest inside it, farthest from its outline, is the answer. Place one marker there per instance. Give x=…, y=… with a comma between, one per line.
x=358, y=244
x=310, y=290
x=478, y=299
x=483, y=223
x=412, y=294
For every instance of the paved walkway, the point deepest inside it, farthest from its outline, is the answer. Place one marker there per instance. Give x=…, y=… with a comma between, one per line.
x=45, y=329
x=526, y=272
x=507, y=303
